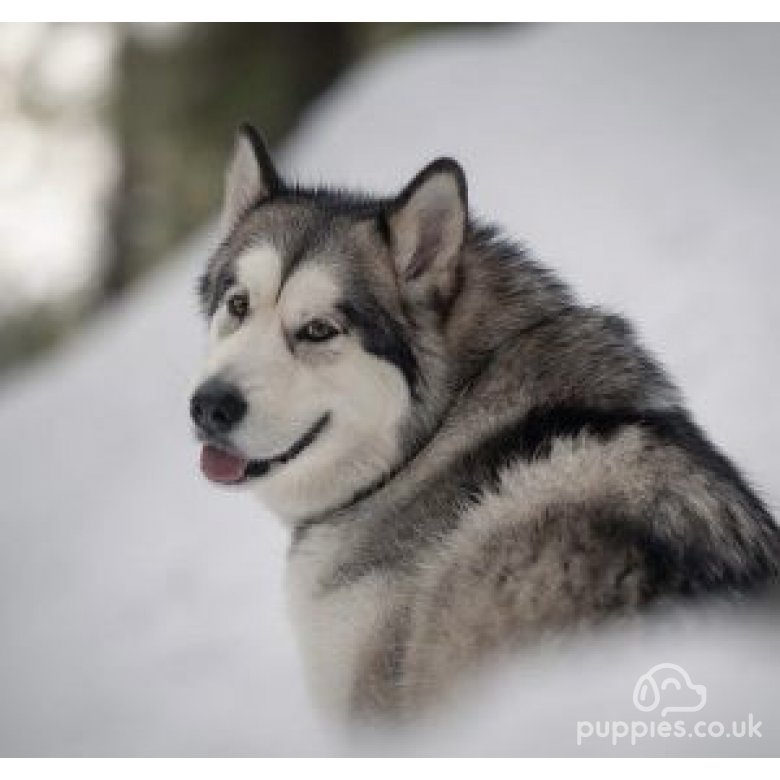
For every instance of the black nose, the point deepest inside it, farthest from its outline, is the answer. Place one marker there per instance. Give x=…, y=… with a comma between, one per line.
x=217, y=406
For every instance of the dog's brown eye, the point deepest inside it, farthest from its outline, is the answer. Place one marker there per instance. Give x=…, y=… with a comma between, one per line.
x=238, y=305
x=317, y=330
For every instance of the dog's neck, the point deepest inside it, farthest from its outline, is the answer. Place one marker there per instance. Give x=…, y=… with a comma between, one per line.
x=473, y=413
x=471, y=400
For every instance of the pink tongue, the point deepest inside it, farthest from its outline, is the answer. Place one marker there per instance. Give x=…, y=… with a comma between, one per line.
x=221, y=466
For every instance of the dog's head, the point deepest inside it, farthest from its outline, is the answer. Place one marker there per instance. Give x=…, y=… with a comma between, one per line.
x=326, y=359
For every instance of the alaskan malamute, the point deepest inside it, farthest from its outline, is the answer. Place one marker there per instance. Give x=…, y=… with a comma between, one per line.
x=468, y=458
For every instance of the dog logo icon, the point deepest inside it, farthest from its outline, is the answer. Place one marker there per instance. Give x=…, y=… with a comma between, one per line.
x=671, y=685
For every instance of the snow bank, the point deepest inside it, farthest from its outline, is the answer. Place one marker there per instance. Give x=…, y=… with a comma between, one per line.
x=141, y=609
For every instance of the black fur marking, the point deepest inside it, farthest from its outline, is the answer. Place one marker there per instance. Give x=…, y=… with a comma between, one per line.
x=332, y=201
x=363, y=205
x=271, y=179
x=292, y=262
x=215, y=291
x=681, y=553
x=532, y=438
x=203, y=292
x=384, y=229
x=688, y=564
x=442, y=165
x=382, y=336
x=363, y=493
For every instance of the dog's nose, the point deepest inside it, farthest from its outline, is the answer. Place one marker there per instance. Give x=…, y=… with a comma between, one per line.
x=217, y=406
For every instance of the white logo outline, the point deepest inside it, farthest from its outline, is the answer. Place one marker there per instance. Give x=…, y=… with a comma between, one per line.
x=647, y=684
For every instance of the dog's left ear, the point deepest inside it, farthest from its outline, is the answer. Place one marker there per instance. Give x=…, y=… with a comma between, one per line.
x=427, y=227
x=250, y=177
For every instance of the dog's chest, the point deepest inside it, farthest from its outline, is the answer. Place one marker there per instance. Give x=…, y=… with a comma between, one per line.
x=337, y=627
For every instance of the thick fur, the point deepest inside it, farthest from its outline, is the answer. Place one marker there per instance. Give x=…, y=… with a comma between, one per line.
x=501, y=463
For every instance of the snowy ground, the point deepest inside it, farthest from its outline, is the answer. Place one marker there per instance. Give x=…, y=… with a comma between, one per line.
x=141, y=610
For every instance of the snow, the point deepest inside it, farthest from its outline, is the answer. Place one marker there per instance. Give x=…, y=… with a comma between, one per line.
x=141, y=609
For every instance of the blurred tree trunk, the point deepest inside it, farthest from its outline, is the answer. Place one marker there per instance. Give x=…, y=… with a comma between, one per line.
x=176, y=104
x=178, y=91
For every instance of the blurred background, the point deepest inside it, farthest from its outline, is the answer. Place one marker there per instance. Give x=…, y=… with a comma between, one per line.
x=142, y=610
x=113, y=141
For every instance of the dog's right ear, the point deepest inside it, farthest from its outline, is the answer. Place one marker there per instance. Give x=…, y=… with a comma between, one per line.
x=250, y=177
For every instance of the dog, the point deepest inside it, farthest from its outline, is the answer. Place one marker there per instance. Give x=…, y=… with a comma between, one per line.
x=468, y=458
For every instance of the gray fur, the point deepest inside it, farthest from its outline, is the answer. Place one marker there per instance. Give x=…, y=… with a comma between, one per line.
x=549, y=477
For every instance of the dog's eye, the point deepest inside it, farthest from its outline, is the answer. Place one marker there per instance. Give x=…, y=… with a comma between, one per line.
x=317, y=330
x=238, y=305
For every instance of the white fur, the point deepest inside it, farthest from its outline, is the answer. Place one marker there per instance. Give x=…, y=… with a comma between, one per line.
x=333, y=628
x=289, y=389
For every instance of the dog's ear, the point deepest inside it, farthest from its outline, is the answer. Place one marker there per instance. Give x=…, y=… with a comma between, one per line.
x=426, y=225
x=250, y=176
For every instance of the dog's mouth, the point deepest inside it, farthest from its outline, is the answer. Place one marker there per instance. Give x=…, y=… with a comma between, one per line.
x=229, y=468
